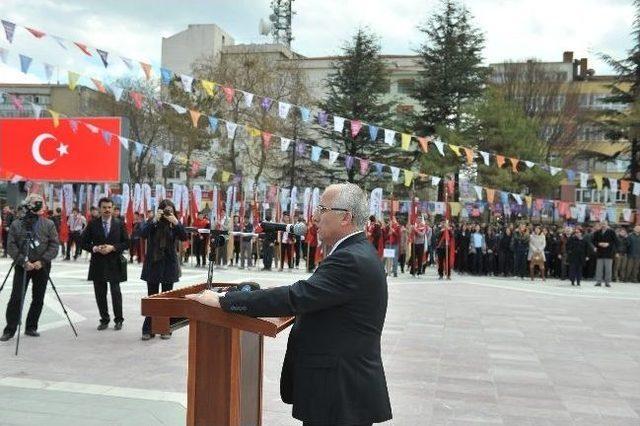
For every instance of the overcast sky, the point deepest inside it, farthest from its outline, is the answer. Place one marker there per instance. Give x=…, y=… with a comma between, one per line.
x=514, y=29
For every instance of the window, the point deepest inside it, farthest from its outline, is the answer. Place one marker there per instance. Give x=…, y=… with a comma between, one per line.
x=405, y=86
x=592, y=195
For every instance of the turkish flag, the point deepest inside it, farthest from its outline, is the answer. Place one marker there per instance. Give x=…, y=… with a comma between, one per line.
x=36, y=150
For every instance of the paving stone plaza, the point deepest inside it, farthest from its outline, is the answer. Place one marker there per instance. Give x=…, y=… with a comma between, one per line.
x=473, y=350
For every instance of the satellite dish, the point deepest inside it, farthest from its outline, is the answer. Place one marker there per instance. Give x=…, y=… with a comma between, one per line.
x=264, y=28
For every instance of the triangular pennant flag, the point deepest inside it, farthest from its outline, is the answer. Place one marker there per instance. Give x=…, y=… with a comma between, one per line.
x=322, y=118
x=389, y=137
x=315, y=153
x=624, y=186
x=117, y=92
x=146, y=68
x=104, y=57
x=636, y=189
x=187, y=82
x=571, y=175
x=500, y=161
x=408, y=177
x=137, y=99
x=528, y=200
x=613, y=184
x=73, y=79
x=405, y=141
x=178, y=108
x=514, y=164
x=348, y=162
x=529, y=164
x=124, y=142
x=440, y=145
x=305, y=114
x=283, y=109
x=300, y=147
x=83, y=47
x=333, y=156
x=213, y=123
x=166, y=75
x=584, y=178
x=266, y=103
x=490, y=194
x=355, y=125
x=166, y=158
x=455, y=149
x=424, y=143
x=225, y=176
x=284, y=144
x=209, y=172
x=228, y=93
x=266, y=139
x=60, y=42
x=379, y=167
x=395, y=173
x=485, y=157
x=373, y=132
x=4, y=54
x=253, y=132
x=518, y=198
x=9, y=30
x=37, y=109
x=468, y=152
x=364, y=166
x=106, y=135
x=208, y=87
x=338, y=124
x=247, y=98
x=435, y=180
x=99, y=85
x=138, y=147
x=25, y=63
x=48, y=71
x=231, y=129
x=55, y=116
x=127, y=62
x=598, y=180
x=478, y=189
x=92, y=128
x=554, y=170
x=195, y=116
x=36, y=33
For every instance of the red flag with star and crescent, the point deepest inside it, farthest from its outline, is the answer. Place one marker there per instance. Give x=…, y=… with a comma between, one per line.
x=38, y=149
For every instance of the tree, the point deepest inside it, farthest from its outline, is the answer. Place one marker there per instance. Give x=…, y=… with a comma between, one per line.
x=499, y=125
x=624, y=123
x=357, y=87
x=452, y=75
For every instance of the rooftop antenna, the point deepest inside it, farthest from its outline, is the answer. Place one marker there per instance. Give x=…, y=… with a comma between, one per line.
x=279, y=25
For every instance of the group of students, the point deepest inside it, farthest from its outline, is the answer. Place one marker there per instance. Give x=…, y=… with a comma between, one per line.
x=571, y=252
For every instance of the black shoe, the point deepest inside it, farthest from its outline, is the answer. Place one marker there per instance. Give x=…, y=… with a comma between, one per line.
x=146, y=336
x=607, y=285
x=103, y=326
x=597, y=285
x=578, y=284
x=6, y=336
x=118, y=325
x=31, y=332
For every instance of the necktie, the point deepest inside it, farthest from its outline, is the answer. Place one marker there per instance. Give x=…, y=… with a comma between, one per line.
x=105, y=225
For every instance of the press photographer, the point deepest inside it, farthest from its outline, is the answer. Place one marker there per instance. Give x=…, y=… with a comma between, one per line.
x=32, y=243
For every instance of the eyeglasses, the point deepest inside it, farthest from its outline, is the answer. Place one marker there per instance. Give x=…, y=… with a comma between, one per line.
x=323, y=209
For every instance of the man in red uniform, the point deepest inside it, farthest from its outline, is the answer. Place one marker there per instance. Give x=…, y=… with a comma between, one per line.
x=446, y=258
x=312, y=243
x=201, y=223
x=394, y=242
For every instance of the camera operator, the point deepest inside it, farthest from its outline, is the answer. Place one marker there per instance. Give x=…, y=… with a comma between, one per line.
x=35, y=235
x=161, y=266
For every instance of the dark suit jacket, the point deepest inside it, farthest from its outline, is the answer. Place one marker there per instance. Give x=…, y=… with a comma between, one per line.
x=105, y=267
x=332, y=371
x=166, y=270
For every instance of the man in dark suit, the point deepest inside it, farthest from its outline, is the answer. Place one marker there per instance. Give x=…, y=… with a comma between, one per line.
x=106, y=238
x=332, y=371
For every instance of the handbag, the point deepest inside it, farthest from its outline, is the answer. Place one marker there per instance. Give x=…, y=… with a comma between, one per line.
x=537, y=257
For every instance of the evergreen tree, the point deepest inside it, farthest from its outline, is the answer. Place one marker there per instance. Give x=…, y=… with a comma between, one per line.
x=624, y=123
x=357, y=88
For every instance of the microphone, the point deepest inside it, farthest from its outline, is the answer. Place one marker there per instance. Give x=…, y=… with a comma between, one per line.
x=298, y=228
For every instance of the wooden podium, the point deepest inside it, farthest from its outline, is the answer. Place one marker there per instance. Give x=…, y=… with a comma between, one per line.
x=224, y=383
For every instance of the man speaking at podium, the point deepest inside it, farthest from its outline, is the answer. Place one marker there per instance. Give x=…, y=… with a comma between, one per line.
x=332, y=371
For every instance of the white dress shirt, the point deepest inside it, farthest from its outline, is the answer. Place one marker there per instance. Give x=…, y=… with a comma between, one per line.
x=335, y=246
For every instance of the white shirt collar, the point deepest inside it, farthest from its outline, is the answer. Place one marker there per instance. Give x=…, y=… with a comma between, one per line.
x=335, y=246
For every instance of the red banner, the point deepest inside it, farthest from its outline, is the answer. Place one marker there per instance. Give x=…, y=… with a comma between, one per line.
x=36, y=150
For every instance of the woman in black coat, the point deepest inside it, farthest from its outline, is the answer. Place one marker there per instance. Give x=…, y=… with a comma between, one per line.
x=577, y=255
x=161, y=265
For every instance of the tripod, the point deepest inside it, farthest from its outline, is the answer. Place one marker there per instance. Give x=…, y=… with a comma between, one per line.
x=29, y=243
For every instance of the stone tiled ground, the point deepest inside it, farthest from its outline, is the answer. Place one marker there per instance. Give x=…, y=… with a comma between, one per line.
x=468, y=351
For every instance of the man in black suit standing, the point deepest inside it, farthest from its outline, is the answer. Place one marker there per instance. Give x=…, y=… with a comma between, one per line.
x=332, y=371
x=106, y=238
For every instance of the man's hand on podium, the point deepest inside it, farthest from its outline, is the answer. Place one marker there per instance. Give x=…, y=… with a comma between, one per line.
x=207, y=297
